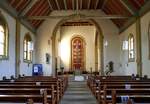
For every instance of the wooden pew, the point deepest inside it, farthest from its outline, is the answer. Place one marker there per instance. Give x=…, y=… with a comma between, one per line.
x=45, y=82
x=23, y=94
x=63, y=81
x=96, y=84
x=133, y=84
x=93, y=81
x=138, y=95
x=19, y=85
x=120, y=89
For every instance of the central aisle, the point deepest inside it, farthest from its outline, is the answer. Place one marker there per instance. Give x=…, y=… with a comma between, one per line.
x=78, y=93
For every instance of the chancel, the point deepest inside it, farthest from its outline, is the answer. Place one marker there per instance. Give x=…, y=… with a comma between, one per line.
x=74, y=51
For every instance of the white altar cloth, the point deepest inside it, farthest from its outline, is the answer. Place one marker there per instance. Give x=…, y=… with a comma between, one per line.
x=79, y=78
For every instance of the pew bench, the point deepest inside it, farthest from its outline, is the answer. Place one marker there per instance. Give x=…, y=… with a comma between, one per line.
x=57, y=93
x=22, y=95
x=137, y=95
x=30, y=88
x=96, y=84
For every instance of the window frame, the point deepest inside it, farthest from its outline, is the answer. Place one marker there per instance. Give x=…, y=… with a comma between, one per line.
x=149, y=41
x=27, y=38
x=3, y=23
x=129, y=50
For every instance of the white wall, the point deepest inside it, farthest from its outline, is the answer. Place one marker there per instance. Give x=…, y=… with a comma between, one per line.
x=7, y=67
x=126, y=67
x=131, y=67
x=112, y=50
x=145, y=20
x=45, y=31
x=87, y=32
x=25, y=68
x=44, y=34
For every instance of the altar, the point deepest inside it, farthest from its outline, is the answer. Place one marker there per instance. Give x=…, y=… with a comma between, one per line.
x=78, y=76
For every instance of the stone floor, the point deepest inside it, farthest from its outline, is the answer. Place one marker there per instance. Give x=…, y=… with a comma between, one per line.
x=78, y=93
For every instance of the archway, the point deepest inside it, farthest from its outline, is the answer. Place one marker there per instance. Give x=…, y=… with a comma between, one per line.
x=99, y=31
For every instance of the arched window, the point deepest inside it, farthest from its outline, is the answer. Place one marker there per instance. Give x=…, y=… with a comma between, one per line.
x=131, y=53
x=3, y=38
x=149, y=40
x=28, y=48
x=78, y=53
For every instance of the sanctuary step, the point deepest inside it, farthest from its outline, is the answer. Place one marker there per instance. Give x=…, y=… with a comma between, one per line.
x=78, y=93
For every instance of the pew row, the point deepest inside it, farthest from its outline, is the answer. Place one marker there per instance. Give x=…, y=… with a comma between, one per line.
x=31, y=90
x=108, y=90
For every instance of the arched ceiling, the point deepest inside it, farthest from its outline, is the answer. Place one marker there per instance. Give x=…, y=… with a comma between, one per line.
x=40, y=8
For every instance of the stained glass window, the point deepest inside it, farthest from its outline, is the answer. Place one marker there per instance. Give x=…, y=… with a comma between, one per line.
x=77, y=53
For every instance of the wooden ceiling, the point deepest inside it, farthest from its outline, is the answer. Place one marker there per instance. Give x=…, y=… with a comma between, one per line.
x=45, y=7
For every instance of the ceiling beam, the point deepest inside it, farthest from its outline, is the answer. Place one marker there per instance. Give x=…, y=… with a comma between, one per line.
x=73, y=6
x=82, y=16
x=77, y=5
x=104, y=3
x=50, y=5
x=18, y=4
x=57, y=4
x=89, y=3
x=81, y=4
x=10, y=10
x=96, y=4
x=65, y=4
x=83, y=10
x=144, y=9
x=12, y=1
x=145, y=0
x=28, y=7
x=137, y=3
x=128, y=6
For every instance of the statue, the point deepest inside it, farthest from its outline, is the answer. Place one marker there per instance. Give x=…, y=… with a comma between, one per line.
x=109, y=68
